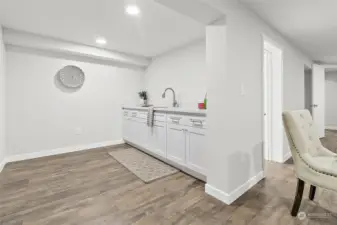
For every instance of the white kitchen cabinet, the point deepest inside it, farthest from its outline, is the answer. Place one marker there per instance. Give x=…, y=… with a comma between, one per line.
x=129, y=126
x=157, y=138
x=176, y=142
x=126, y=125
x=196, y=149
x=178, y=139
x=126, y=128
x=140, y=132
x=135, y=128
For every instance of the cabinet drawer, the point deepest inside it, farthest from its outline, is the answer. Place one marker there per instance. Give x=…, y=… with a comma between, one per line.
x=126, y=113
x=132, y=113
x=176, y=119
x=191, y=121
x=198, y=122
x=159, y=117
x=159, y=123
x=135, y=114
x=142, y=114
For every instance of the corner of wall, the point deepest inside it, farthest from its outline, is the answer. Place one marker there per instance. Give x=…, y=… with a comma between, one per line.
x=2, y=164
x=2, y=100
x=239, y=191
x=331, y=127
x=286, y=157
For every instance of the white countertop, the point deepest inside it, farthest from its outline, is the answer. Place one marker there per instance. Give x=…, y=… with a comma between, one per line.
x=199, y=112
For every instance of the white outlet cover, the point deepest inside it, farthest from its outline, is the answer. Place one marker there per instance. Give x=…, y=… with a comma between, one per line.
x=78, y=131
x=243, y=91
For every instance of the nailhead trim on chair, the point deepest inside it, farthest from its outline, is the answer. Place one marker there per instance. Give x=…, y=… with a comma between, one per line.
x=293, y=145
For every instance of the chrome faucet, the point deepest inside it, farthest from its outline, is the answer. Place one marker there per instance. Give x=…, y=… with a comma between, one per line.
x=175, y=103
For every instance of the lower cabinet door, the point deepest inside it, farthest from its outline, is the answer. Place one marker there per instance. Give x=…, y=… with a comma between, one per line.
x=126, y=130
x=157, y=138
x=196, y=150
x=140, y=133
x=130, y=126
x=176, y=143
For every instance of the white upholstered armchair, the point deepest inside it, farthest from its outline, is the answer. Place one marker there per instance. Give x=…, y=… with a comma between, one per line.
x=313, y=163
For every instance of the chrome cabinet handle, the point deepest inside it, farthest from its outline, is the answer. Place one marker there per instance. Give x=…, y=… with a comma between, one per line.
x=197, y=122
x=176, y=129
x=197, y=133
x=175, y=118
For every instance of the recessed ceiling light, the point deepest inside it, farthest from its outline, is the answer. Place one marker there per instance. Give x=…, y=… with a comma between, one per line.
x=132, y=10
x=101, y=41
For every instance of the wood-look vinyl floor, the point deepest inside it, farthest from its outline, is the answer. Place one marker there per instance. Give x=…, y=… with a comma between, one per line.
x=91, y=188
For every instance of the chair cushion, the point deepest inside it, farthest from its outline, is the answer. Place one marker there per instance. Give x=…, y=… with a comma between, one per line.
x=322, y=164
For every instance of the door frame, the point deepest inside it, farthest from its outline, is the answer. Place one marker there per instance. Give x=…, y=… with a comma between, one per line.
x=266, y=104
x=276, y=100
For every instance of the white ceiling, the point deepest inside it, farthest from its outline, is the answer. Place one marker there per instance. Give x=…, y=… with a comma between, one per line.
x=157, y=30
x=309, y=24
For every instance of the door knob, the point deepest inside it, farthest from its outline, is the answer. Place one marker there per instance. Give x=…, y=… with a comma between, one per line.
x=314, y=106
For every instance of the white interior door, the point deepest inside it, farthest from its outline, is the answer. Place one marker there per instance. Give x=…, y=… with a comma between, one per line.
x=318, y=98
x=267, y=69
x=273, y=102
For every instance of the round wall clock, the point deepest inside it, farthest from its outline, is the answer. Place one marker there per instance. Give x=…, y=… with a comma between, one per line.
x=71, y=77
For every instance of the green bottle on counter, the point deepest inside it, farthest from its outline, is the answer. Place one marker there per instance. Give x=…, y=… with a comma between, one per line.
x=205, y=101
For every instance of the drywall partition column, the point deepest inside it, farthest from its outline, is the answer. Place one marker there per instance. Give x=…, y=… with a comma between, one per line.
x=216, y=57
x=2, y=102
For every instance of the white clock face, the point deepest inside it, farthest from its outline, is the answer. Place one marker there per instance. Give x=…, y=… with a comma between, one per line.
x=71, y=76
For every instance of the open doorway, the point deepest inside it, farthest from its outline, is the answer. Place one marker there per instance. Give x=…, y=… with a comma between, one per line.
x=272, y=101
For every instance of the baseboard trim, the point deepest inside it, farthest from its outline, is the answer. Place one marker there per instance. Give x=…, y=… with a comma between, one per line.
x=231, y=197
x=331, y=127
x=2, y=164
x=218, y=194
x=286, y=157
x=33, y=155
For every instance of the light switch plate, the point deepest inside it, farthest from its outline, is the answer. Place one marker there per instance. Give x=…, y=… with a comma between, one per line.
x=243, y=91
x=78, y=131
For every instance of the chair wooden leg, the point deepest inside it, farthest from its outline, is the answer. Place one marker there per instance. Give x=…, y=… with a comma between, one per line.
x=298, y=197
x=312, y=192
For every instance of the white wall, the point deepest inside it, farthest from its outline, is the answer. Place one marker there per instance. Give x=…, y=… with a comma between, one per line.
x=238, y=118
x=184, y=70
x=42, y=117
x=2, y=101
x=330, y=99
